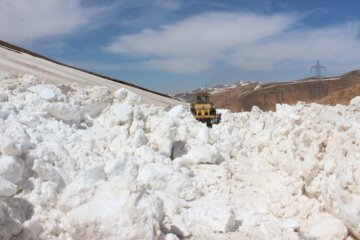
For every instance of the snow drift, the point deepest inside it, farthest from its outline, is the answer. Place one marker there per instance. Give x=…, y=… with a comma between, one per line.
x=15, y=60
x=90, y=163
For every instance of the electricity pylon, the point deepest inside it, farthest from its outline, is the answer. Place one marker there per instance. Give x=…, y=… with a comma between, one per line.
x=318, y=68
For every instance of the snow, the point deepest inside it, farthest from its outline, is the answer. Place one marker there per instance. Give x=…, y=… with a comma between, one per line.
x=11, y=169
x=65, y=112
x=91, y=163
x=14, y=64
x=48, y=92
x=7, y=188
x=332, y=228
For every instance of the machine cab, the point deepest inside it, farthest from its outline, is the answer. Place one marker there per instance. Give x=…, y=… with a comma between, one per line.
x=202, y=98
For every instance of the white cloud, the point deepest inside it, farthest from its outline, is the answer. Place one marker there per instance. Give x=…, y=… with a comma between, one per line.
x=246, y=40
x=177, y=65
x=204, y=35
x=326, y=42
x=333, y=44
x=24, y=20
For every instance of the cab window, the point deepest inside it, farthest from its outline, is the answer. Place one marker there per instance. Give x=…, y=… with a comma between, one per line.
x=202, y=99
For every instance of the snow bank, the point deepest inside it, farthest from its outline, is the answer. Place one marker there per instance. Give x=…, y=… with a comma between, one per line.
x=86, y=163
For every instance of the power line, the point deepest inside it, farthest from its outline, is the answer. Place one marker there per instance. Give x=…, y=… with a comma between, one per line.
x=318, y=68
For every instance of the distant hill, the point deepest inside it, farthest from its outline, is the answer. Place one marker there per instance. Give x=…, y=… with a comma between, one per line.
x=242, y=97
x=218, y=89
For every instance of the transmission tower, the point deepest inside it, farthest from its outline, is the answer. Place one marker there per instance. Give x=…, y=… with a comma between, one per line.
x=318, y=68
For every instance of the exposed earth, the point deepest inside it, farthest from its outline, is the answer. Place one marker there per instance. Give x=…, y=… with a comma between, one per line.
x=243, y=96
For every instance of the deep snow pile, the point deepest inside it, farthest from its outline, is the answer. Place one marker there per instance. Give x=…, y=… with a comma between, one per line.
x=86, y=163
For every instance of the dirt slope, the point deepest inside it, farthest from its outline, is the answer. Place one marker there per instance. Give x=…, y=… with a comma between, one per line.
x=220, y=91
x=325, y=91
x=17, y=60
x=332, y=91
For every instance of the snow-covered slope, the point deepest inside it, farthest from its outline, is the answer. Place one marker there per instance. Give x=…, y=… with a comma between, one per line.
x=84, y=163
x=17, y=61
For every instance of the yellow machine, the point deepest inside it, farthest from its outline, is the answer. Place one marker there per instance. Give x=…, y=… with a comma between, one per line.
x=203, y=110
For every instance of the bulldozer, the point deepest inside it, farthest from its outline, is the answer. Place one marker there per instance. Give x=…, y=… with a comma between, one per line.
x=203, y=110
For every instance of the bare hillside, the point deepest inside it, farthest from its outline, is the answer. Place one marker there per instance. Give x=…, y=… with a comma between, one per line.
x=221, y=91
x=327, y=91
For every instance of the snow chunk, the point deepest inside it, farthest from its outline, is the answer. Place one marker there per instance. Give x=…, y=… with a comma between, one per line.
x=209, y=215
x=4, y=114
x=125, y=95
x=201, y=154
x=82, y=188
x=113, y=214
x=27, y=80
x=47, y=172
x=14, y=146
x=4, y=97
x=65, y=112
x=121, y=113
x=169, y=236
x=11, y=169
x=90, y=176
x=9, y=227
x=124, y=166
x=157, y=176
x=328, y=229
x=355, y=102
x=48, y=92
x=93, y=99
x=7, y=188
x=175, y=112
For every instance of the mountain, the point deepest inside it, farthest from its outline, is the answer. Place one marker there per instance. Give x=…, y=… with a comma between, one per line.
x=218, y=89
x=16, y=60
x=242, y=97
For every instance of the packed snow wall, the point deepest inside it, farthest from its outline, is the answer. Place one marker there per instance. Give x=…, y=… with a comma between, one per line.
x=88, y=163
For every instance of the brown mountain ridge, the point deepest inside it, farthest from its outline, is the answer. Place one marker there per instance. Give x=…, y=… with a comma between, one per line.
x=328, y=91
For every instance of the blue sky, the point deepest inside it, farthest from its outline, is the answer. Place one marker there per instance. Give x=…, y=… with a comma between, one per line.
x=172, y=46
